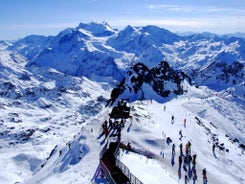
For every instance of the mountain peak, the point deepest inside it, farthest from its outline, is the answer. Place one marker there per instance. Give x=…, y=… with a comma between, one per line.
x=141, y=82
x=97, y=29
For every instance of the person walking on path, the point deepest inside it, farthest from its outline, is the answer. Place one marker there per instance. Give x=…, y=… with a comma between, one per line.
x=185, y=122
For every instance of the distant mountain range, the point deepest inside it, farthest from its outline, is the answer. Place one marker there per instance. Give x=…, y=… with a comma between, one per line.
x=95, y=49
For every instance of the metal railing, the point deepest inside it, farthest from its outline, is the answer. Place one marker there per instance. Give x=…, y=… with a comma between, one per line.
x=103, y=151
x=132, y=178
x=125, y=170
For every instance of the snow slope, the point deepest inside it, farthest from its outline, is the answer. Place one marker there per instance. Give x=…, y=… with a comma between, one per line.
x=151, y=122
x=42, y=108
x=79, y=157
x=53, y=104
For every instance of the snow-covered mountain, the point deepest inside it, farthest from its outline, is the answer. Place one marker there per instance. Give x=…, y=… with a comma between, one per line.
x=97, y=49
x=54, y=91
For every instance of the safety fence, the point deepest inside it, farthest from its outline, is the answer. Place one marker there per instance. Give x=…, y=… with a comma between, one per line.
x=124, y=169
x=103, y=151
x=133, y=179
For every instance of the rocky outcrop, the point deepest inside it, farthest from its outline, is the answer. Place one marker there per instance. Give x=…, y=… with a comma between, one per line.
x=162, y=79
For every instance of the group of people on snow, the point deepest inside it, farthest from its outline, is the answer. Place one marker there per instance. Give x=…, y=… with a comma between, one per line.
x=186, y=161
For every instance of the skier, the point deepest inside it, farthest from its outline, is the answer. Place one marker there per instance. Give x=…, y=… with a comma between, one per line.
x=186, y=149
x=180, y=133
x=186, y=178
x=173, y=149
x=204, y=174
x=194, y=160
x=129, y=146
x=194, y=174
x=179, y=173
x=185, y=122
x=168, y=140
x=189, y=147
x=181, y=149
x=189, y=159
x=185, y=164
x=189, y=167
x=180, y=161
x=172, y=119
x=213, y=148
x=162, y=153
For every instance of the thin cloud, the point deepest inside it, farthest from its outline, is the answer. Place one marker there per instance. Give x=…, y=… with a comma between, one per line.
x=217, y=25
x=37, y=26
x=171, y=7
x=185, y=8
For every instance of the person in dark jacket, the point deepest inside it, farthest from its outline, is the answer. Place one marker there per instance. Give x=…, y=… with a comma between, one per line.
x=181, y=149
x=204, y=175
x=180, y=160
x=173, y=149
x=172, y=119
x=194, y=159
x=168, y=140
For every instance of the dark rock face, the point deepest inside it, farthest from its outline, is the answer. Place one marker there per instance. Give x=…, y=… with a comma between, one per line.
x=161, y=78
x=219, y=75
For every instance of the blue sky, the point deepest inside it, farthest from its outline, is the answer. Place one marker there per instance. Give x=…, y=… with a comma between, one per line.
x=20, y=18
